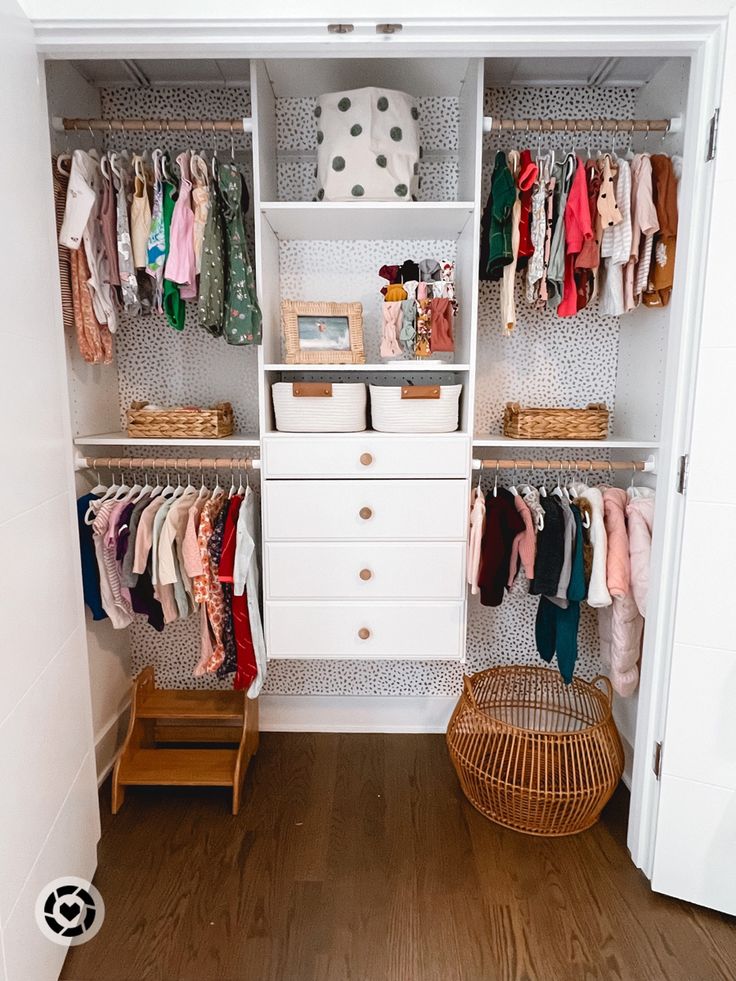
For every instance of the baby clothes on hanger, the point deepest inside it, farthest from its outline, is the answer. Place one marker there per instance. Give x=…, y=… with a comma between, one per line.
x=242, y=323
x=578, y=231
x=90, y=569
x=201, y=202
x=598, y=594
x=524, y=546
x=180, y=265
x=475, y=538
x=107, y=218
x=508, y=303
x=173, y=305
x=157, y=235
x=126, y=265
x=245, y=583
x=140, y=214
x=644, y=223
x=503, y=523
x=616, y=244
x=503, y=196
x=662, y=267
x=550, y=550
x=211, y=303
x=640, y=516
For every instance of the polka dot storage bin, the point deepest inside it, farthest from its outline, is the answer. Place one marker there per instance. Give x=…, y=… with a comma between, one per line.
x=367, y=145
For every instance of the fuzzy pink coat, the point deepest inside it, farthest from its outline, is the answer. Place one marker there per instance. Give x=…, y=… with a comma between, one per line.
x=618, y=564
x=640, y=514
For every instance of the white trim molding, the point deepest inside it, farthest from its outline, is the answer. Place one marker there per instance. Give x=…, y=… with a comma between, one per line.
x=355, y=713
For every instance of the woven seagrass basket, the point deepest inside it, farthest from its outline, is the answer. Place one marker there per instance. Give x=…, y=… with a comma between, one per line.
x=523, y=423
x=533, y=753
x=189, y=423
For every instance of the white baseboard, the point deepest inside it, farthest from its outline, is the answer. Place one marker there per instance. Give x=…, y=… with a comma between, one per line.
x=108, y=740
x=355, y=713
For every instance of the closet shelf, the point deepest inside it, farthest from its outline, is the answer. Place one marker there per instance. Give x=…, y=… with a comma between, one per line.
x=612, y=443
x=405, y=369
x=122, y=439
x=320, y=221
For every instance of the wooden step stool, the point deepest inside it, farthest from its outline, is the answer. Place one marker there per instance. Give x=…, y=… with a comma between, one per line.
x=158, y=718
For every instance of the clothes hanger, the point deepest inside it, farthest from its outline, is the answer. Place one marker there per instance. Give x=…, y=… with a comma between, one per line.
x=168, y=490
x=203, y=488
x=557, y=491
x=145, y=489
x=158, y=489
x=633, y=491
x=218, y=491
x=495, y=481
x=513, y=488
x=542, y=488
x=179, y=490
x=124, y=490
x=231, y=492
x=99, y=487
x=241, y=489
x=215, y=161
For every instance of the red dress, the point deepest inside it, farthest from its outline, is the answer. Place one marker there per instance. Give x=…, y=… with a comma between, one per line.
x=246, y=669
x=578, y=231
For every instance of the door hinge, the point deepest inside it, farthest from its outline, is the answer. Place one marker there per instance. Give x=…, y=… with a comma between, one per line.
x=683, y=469
x=713, y=135
x=657, y=764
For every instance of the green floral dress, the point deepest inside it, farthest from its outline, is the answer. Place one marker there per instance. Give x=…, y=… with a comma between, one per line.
x=174, y=306
x=242, y=322
x=211, y=304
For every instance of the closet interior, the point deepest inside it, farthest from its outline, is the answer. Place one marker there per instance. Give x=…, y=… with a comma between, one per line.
x=309, y=250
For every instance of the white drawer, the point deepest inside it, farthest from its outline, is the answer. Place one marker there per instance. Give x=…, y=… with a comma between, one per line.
x=365, y=630
x=423, y=510
x=366, y=455
x=372, y=570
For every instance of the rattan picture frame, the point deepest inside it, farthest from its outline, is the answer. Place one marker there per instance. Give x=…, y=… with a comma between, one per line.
x=295, y=351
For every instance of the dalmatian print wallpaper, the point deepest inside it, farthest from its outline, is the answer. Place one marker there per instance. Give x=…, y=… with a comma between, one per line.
x=545, y=361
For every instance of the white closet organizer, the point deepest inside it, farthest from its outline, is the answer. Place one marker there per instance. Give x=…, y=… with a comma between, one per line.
x=364, y=534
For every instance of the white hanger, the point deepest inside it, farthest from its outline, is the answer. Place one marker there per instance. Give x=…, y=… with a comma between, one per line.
x=495, y=481
x=231, y=492
x=99, y=487
x=204, y=491
x=557, y=491
x=633, y=491
x=241, y=489
x=158, y=489
x=513, y=488
x=218, y=491
x=113, y=488
x=168, y=490
x=146, y=489
x=542, y=488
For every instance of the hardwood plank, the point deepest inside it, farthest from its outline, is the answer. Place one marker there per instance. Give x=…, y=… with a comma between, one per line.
x=221, y=705
x=179, y=767
x=357, y=858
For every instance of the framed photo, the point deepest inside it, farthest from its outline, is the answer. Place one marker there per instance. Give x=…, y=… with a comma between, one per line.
x=322, y=333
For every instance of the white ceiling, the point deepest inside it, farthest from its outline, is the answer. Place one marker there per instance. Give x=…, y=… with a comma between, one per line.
x=624, y=72
x=420, y=76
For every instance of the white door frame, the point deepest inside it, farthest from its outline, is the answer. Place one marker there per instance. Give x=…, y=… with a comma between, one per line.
x=700, y=38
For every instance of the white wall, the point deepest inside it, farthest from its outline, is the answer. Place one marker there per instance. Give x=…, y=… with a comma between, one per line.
x=338, y=10
x=94, y=407
x=49, y=822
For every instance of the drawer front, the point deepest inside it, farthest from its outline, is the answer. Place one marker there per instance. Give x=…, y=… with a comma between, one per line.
x=365, y=630
x=372, y=570
x=423, y=510
x=366, y=455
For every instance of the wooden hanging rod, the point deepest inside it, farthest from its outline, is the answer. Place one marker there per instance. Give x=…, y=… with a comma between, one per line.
x=198, y=127
x=166, y=463
x=582, y=466
x=587, y=126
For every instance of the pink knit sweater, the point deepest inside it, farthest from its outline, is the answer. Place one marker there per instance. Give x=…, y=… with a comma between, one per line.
x=524, y=545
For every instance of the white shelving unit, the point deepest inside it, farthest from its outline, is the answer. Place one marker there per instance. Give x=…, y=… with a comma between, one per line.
x=406, y=369
x=343, y=220
x=595, y=444
x=122, y=439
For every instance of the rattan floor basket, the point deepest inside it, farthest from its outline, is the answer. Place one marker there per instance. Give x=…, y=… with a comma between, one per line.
x=525, y=423
x=534, y=754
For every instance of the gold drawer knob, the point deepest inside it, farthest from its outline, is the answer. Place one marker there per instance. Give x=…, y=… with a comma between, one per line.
x=364, y=633
x=366, y=513
x=366, y=459
x=366, y=574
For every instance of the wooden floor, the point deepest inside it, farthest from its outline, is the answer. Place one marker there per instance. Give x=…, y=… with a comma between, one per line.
x=356, y=858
